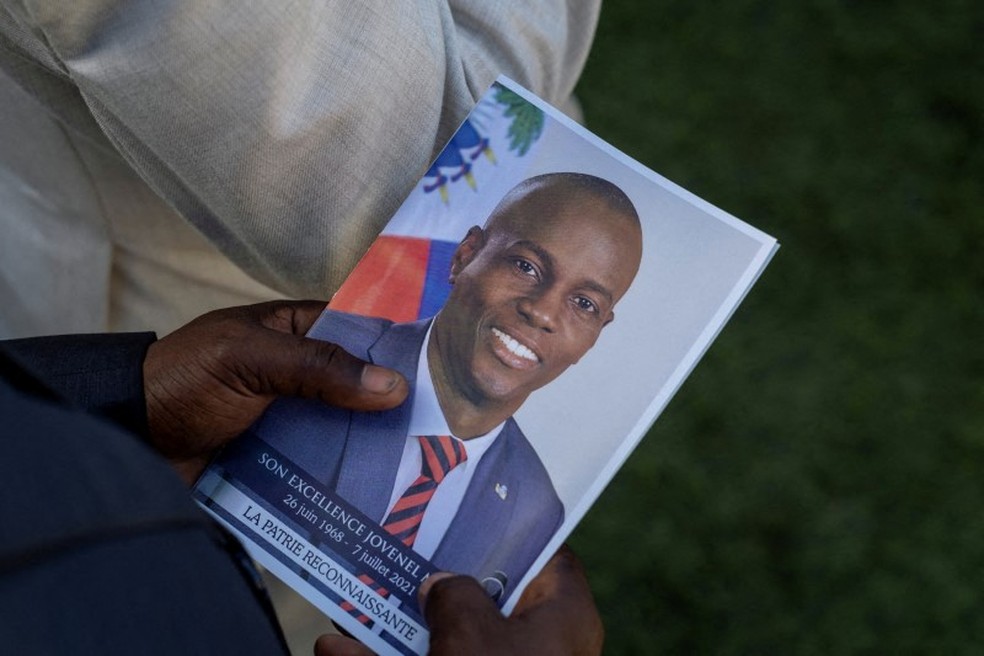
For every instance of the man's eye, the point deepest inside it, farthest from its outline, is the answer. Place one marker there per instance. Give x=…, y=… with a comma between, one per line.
x=585, y=304
x=525, y=267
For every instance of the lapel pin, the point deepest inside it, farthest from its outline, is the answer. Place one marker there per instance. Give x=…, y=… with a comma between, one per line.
x=501, y=490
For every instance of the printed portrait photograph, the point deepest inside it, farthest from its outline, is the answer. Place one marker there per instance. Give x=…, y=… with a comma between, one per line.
x=519, y=255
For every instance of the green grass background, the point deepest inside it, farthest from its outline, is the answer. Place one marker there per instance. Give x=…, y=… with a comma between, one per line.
x=816, y=486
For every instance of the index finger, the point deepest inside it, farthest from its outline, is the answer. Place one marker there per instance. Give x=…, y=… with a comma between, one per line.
x=461, y=617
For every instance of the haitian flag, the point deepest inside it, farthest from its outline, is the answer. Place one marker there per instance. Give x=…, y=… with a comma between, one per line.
x=404, y=274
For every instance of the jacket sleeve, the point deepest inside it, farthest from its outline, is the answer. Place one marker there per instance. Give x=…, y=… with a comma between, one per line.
x=289, y=133
x=101, y=549
x=101, y=374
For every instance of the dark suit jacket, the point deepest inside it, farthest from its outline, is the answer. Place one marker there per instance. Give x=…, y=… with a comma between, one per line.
x=101, y=549
x=358, y=455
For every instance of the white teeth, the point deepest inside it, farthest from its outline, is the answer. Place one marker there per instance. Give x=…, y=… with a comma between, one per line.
x=515, y=347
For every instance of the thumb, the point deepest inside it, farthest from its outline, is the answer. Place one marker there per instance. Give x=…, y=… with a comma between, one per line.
x=332, y=644
x=310, y=368
x=459, y=613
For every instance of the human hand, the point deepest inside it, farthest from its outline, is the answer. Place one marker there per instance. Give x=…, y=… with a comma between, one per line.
x=555, y=615
x=211, y=379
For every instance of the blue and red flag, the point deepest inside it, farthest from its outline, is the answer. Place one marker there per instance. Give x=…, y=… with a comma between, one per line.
x=404, y=274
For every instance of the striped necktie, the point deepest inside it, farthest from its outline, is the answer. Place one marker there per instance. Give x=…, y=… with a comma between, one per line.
x=439, y=455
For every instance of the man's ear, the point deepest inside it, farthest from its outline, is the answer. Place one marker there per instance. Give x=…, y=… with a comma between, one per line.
x=466, y=251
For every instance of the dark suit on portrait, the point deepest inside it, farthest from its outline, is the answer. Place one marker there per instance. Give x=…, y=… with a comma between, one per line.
x=358, y=453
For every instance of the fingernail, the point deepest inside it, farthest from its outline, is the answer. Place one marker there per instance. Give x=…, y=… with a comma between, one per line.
x=378, y=379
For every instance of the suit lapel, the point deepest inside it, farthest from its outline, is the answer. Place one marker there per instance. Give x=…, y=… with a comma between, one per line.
x=376, y=439
x=485, y=510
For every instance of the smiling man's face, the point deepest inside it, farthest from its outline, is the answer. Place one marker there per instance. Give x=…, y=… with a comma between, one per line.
x=532, y=292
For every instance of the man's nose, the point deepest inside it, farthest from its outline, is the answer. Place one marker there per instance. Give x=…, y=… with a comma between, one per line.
x=540, y=311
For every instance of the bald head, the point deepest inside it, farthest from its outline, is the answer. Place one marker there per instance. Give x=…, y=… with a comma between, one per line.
x=573, y=202
x=559, y=186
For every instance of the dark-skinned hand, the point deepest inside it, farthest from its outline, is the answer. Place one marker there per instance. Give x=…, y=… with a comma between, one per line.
x=555, y=616
x=211, y=379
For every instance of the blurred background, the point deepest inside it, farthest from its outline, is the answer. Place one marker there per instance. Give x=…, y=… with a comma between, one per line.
x=816, y=486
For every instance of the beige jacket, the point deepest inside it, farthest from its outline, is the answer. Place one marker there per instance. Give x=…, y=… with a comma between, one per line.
x=160, y=159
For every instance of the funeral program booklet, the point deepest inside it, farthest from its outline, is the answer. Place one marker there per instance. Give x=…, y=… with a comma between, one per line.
x=544, y=296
